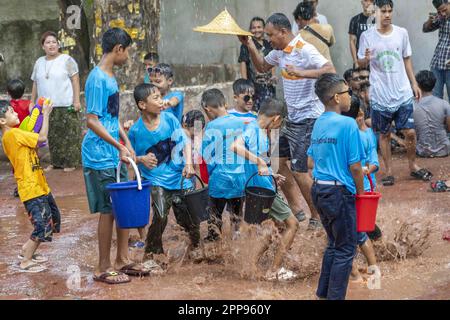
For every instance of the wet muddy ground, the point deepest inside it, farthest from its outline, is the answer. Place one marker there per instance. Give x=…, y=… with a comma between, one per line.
x=415, y=260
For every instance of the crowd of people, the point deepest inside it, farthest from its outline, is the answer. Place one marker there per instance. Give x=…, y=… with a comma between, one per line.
x=331, y=129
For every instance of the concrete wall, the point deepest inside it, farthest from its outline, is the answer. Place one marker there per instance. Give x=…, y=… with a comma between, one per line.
x=179, y=44
x=21, y=24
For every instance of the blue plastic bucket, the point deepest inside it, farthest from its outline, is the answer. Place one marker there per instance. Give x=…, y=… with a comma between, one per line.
x=130, y=201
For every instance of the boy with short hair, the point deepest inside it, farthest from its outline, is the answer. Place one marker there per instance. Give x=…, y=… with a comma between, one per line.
x=226, y=170
x=194, y=123
x=15, y=89
x=101, y=153
x=151, y=59
x=244, y=93
x=20, y=148
x=336, y=153
x=387, y=50
x=159, y=139
x=173, y=101
x=254, y=146
x=432, y=118
x=370, y=167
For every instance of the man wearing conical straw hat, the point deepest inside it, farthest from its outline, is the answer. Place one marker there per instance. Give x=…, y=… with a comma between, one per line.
x=301, y=64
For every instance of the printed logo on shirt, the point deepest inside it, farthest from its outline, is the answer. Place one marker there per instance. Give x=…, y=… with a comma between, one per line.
x=324, y=141
x=386, y=60
x=35, y=163
x=113, y=105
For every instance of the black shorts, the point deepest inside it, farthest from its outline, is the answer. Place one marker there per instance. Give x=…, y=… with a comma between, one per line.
x=282, y=150
x=299, y=138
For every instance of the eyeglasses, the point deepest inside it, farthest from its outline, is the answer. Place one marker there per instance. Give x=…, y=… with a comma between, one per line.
x=361, y=78
x=154, y=70
x=248, y=97
x=349, y=91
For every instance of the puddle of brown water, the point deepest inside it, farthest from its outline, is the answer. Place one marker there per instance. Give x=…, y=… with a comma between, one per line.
x=234, y=275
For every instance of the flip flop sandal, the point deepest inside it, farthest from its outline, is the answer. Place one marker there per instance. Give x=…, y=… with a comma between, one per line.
x=388, y=181
x=130, y=271
x=422, y=174
x=38, y=258
x=105, y=275
x=301, y=216
x=33, y=268
x=439, y=186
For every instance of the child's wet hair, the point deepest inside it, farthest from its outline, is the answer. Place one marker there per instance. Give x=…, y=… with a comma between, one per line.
x=213, y=98
x=165, y=69
x=193, y=116
x=152, y=56
x=242, y=86
x=4, y=106
x=15, y=88
x=143, y=91
x=114, y=37
x=426, y=80
x=328, y=85
x=273, y=107
x=354, y=108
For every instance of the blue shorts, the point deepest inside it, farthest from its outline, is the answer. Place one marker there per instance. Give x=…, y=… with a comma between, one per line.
x=403, y=118
x=44, y=216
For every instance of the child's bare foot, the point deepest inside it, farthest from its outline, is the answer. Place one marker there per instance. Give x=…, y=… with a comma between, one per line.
x=49, y=168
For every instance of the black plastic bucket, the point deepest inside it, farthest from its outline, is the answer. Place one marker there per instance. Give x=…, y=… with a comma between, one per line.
x=258, y=202
x=196, y=201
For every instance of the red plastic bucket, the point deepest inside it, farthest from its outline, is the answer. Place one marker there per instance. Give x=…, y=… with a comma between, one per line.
x=366, y=209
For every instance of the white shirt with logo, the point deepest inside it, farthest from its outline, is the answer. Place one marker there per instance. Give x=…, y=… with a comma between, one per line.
x=390, y=86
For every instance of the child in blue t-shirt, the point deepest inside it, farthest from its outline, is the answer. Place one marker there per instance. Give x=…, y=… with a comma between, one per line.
x=336, y=153
x=226, y=169
x=254, y=146
x=244, y=95
x=101, y=152
x=173, y=101
x=370, y=166
x=163, y=154
x=151, y=59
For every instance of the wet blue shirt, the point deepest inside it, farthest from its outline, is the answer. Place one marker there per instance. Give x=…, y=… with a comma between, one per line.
x=177, y=111
x=335, y=146
x=369, y=141
x=102, y=100
x=167, y=143
x=257, y=142
x=226, y=169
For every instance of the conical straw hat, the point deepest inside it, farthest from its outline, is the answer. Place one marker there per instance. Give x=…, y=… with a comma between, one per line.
x=223, y=24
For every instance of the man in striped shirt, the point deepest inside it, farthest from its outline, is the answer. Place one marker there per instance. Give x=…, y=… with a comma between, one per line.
x=301, y=64
x=440, y=65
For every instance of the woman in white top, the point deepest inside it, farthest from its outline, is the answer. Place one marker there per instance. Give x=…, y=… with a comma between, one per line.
x=55, y=76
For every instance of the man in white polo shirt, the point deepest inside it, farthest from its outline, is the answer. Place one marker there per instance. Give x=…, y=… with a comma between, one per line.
x=301, y=64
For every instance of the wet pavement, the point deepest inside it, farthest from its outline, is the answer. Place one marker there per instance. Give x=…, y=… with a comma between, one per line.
x=413, y=221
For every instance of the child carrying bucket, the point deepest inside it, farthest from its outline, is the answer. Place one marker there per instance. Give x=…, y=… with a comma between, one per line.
x=101, y=153
x=226, y=170
x=336, y=153
x=254, y=146
x=370, y=167
x=163, y=153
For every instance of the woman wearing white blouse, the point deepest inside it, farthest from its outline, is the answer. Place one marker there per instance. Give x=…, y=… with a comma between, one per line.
x=55, y=76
